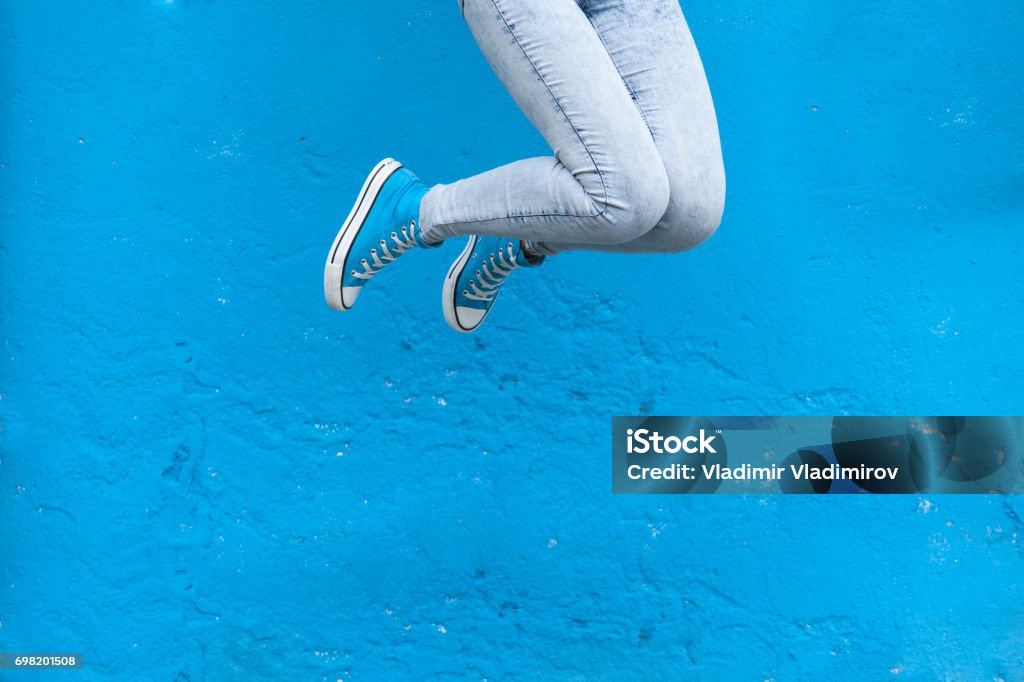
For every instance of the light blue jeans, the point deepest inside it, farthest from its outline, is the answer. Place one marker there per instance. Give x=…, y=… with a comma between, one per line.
x=618, y=91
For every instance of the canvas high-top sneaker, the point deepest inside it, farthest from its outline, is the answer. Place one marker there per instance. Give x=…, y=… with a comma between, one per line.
x=475, y=279
x=381, y=226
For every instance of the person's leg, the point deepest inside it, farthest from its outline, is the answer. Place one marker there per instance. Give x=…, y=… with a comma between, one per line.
x=605, y=184
x=653, y=50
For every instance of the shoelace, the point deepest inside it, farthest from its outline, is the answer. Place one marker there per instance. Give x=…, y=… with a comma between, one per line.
x=495, y=268
x=378, y=259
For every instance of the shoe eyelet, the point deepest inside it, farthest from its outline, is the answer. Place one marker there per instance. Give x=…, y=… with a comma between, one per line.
x=465, y=293
x=373, y=251
x=394, y=235
x=382, y=242
x=353, y=273
x=363, y=261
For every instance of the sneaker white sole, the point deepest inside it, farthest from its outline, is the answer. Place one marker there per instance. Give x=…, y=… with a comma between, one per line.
x=337, y=296
x=448, y=292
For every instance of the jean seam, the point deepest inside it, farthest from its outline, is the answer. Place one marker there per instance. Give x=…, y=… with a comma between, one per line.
x=629, y=88
x=561, y=109
x=512, y=218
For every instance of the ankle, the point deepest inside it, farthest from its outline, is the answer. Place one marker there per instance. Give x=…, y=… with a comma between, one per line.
x=531, y=257
x=426, y=242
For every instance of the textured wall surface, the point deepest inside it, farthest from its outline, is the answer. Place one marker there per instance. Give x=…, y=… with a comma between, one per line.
x=209, y=475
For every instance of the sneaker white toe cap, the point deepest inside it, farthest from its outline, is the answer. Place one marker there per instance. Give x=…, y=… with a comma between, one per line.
x=349, y=295
x=337, y=296
x=469, y=318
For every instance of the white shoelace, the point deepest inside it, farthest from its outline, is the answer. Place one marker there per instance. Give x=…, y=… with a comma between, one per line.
x=492, y=275
x=378, y=259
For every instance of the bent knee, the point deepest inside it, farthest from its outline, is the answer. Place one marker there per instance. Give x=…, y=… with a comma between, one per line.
x=632, y=203
x=689, y=223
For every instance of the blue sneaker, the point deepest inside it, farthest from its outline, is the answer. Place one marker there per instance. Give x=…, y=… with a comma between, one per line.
x=475, y=278
x=381, y=226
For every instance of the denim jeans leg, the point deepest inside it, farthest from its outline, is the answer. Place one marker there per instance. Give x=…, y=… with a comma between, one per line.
x=605, y=182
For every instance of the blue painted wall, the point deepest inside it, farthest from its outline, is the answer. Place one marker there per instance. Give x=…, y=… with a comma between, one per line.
x=207, y=474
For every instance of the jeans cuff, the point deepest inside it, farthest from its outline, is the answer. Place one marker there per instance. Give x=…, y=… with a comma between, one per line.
x=426, y=239
x=538, y=249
